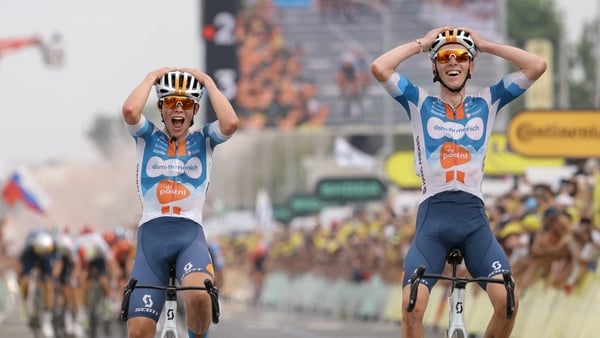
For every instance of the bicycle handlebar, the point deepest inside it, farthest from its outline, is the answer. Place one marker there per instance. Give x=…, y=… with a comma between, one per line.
x=210, y=288
x=420, y=274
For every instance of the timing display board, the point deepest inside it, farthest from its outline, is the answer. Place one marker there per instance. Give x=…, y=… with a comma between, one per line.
x=218, y=28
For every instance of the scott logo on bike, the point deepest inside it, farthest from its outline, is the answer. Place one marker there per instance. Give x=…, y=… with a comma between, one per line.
x=170, y=314
x=459, y=307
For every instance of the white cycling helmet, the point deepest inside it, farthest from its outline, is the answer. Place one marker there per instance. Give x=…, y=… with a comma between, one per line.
x=453, y=36
x=65, y=244
x=43, y=243
x=179, y=84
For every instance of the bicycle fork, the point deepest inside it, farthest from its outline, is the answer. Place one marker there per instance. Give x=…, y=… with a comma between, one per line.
x=456, y=319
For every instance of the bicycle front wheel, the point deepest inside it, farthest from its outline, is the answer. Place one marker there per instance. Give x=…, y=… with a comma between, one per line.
x=95, y=305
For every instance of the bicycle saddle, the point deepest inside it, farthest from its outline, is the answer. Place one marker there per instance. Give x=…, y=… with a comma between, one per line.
x=455, y=257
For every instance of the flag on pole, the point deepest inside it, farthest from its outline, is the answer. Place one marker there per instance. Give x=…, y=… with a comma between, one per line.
x=20, y=188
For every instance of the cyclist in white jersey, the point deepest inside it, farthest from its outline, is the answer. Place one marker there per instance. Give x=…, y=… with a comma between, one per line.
x=173, y=171
x=450, y=135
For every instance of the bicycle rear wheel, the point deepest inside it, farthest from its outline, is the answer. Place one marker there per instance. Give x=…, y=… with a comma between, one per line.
x=34, y=312
x=58, y=323
x=59, y=313
x=95, y=305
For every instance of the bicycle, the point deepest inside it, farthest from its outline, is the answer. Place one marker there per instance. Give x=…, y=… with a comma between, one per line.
x=59, y=312
x=456, y=321
x=169, y=329
x=97, y=303
x=34, y=304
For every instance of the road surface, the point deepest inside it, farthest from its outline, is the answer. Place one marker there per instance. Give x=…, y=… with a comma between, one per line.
x=241, y=320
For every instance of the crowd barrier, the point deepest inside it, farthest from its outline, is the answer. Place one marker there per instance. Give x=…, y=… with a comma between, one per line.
x=544, y=311
x=8, y=292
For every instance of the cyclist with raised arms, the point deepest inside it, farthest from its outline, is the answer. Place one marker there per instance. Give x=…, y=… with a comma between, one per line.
x=450, y=133
x=173, y=172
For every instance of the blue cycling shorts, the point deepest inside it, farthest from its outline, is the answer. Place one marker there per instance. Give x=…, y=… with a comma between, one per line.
x=30, y=260
x=161, y=242
x=454, y=220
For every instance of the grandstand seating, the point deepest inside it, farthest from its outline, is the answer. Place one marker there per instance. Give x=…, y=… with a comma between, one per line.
x=324, y=40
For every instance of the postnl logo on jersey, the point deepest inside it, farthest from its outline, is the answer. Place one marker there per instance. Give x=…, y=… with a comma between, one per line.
x=169, y=191
x=452, y=154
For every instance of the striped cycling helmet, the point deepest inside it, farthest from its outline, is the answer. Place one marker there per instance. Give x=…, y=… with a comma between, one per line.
x=453, y=36
x=179, y=83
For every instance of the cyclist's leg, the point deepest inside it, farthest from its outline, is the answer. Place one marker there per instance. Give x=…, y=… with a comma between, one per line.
x=412, y=322
x=83, y=285
x=197, y=304
x=144, y=310
x=47, y=289
x=194, y=265
x=424, y=250
x=485, y=257
x=499, y=325
x=70, y=313
x=141, y=327
x=103, y=276
x=24, y=268
x=150, y=267
x=68, y=279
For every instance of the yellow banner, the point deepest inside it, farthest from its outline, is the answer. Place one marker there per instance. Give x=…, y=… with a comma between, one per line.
x=571, y=134
x=539, y=96
x=400, y=169
x=597, y=201
x=500, y=160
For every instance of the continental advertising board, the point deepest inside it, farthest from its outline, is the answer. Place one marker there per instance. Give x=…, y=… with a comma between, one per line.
x=551, y=133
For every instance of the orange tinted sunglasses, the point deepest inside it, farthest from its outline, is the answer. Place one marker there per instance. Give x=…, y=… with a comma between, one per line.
x=460, y=55
x=172, y=102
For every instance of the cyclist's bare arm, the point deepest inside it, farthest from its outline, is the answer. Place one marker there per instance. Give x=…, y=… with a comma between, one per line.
x=135, y=102
x=228, y=120
x=530, y=64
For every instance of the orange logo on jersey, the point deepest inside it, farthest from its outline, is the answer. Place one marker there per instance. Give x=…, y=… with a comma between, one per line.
x=169, y=191
x=452, y=154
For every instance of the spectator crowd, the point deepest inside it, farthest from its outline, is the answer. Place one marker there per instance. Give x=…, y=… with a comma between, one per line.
x=548, y=232
x=272, y=90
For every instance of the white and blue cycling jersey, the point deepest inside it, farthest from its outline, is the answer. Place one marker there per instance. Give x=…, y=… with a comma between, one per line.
x=450, y=144
x=173, y=176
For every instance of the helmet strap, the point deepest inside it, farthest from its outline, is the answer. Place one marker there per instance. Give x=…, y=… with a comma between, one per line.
x=196, y=107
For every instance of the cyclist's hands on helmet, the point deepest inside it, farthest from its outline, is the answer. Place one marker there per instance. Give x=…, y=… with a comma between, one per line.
x=430, y=37
x=478, y=40
x=204, y=78
x=159, y=73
